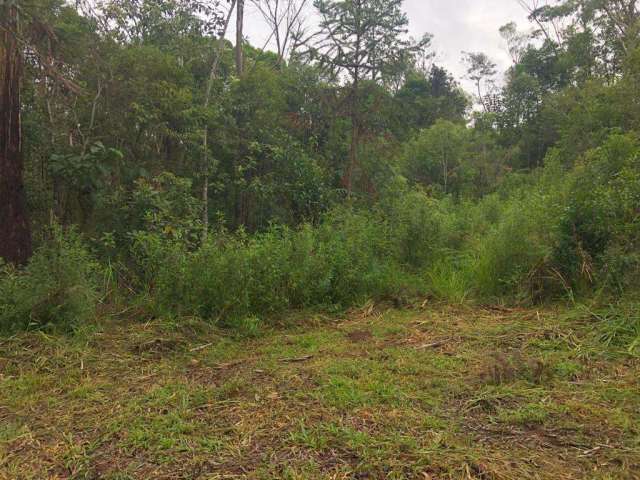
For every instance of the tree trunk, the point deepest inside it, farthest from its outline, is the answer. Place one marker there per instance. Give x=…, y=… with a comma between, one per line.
x=347, y=180
x=239, y=37
x=353, y=154
x=355, y=134
x=481, y=97
x=445, y=168
x=205, y=134
x=15, y=232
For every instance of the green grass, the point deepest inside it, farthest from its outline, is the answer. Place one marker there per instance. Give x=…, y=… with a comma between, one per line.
x=433, y=393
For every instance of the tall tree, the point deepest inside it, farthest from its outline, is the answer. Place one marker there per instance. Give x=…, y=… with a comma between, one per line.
x=428, y=96
x=364, y=39
x=213, y=72
x=551, y=27
x=285, y=19
x=614, y=25
x=15, y=233
x=516, y=41
x=239, y=37
x=481, y=70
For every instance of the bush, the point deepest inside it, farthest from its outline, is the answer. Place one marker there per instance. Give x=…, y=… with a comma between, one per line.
x=531, y=240
x=58, y=288
x=513, y=250
x=164, y=206
x=350, y=257
x=420, y=227
x=449, y=279
x=601, y=227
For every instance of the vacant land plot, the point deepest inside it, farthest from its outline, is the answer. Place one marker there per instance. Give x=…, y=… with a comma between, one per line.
x=435, y=393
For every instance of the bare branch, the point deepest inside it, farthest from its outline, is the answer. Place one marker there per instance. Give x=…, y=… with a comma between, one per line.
x=285, y=19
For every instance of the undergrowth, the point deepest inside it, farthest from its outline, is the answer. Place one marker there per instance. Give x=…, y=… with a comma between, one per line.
x=59, y=288
x=553, y=235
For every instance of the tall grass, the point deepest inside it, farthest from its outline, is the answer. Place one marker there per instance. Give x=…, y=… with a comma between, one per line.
x=58, y=289
x=347, y=259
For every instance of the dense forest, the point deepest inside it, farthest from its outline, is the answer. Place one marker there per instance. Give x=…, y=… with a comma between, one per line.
x=148, y=159
x=322, y=257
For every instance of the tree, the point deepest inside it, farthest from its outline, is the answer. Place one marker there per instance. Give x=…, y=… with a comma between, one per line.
x=364, y=39
x=427, y=97
x=551, y=27
x=286, y=22
x=15, y=232
x=516, y=41
x=480, y=69
x=614, y=25
x=436, y=156
x=158, y=22
x=205, y=136
x=239, y=37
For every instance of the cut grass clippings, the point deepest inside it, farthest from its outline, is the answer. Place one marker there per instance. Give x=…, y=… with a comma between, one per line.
x=437, y=393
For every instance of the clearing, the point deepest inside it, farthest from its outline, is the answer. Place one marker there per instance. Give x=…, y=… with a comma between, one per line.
x=435, y=393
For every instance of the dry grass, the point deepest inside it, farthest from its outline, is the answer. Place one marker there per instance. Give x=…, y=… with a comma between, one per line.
x=438, y=393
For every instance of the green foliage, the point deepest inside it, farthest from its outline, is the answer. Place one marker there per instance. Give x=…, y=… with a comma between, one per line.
x=166, y=205
x=601, y=225
x=428, y=97
x=59, y=288
x=534, y=198
x=450, y=279
x=162, y=206
x=513, y=244
x=420, y=226
x=510, y=251
x=363, y=37
x=350, y=257
x=437, y=157
x=87, y=171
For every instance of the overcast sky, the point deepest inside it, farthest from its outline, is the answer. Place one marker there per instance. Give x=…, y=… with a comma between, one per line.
x=457, y=25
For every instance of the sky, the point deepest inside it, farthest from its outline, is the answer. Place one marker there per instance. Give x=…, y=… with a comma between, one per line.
x=457, y=25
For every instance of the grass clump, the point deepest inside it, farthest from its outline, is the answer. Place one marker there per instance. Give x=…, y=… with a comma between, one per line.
x=57, y=289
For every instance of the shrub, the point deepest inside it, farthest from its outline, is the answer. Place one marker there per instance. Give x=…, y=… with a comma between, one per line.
x=600, y=230
x=358, y=256
x=521, y=242
x=163, y=205
x=513, y=256
x=507, y=254
x=349, y=257
x=58, y=288
x=419, y=227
